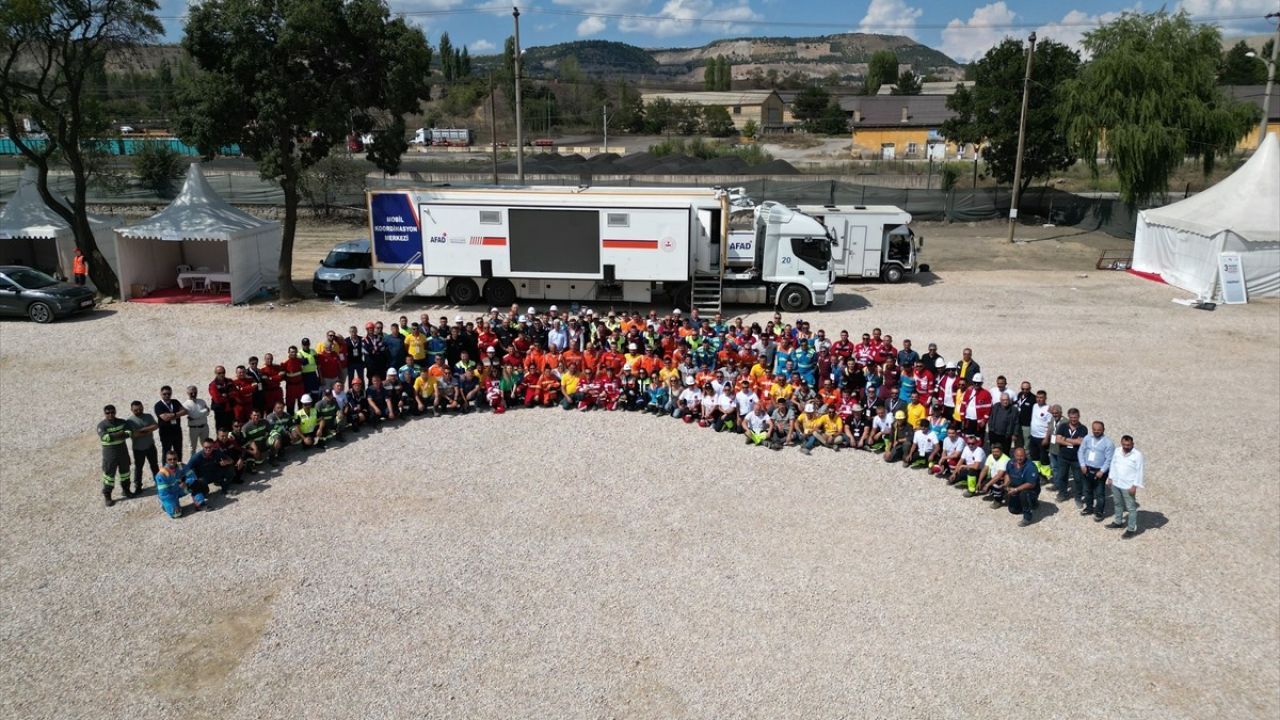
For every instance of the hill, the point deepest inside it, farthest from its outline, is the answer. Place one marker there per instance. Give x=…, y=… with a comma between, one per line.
x=595, y=57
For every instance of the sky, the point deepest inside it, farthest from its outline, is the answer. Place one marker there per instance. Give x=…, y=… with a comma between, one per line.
x=963, y=29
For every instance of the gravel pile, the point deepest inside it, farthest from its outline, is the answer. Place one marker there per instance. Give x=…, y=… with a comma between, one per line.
x=644, y=163
x=562, y=564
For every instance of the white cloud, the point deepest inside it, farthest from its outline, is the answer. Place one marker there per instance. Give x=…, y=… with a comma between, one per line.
x=968, y=40
x=679, y=17
x=591, y=26
x=1251, y=10
x=891, y=17
x=481, y=46
x=1070, y=30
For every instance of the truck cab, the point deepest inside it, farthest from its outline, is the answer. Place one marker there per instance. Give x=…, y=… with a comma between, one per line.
x=872, y=241
x=788, y=250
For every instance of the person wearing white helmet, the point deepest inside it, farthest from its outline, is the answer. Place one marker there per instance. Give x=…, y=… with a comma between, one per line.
x=975, y=407
x=689, y=402
x=948, y=387
x=806, y=428
x=307, y=421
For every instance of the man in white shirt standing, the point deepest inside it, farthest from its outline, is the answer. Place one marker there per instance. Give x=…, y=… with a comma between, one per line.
x=1126, y=477
x=197, y=417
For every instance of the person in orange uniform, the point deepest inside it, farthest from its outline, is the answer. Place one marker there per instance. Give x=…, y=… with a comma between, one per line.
x=79, y=268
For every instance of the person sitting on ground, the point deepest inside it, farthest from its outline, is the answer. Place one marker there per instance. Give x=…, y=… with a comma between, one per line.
x=923, y=445
x=990, y=480
x=947, y=454
x=830, y=430
x=878, y=432
x=757, y=426
x=898, y=439
x=806, y=429
x=174, y=480
x=971, y=460
x=1022, y=486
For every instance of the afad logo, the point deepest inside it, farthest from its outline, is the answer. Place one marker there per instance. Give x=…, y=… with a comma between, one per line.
x=442, y=237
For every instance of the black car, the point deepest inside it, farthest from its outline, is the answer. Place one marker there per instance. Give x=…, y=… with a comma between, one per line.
x=25, y=292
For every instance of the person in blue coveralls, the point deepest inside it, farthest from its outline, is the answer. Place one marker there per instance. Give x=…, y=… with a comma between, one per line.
x=172, y=483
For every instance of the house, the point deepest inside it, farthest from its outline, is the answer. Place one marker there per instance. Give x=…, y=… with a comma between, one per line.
x=941, y=87
x=894, y=127
x=762, y=106
x=1255, y=94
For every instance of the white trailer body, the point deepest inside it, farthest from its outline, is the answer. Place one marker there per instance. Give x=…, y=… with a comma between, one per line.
x=872, y=241
x=626, y=244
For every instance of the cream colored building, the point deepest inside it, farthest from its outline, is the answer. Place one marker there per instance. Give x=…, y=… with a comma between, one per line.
x=762, y=106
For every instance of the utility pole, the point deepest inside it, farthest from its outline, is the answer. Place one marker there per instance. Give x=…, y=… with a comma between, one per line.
x=1271, y=79
x=1022, y=133
x=605, y=149
x=493, y=128
x=515, y=13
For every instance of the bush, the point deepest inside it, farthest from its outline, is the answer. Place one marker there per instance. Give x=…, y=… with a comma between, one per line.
x=951, y=174
x=326, y=183
x=157, y=166
x=704, y=150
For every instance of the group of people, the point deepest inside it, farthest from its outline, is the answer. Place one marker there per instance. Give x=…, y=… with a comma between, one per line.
x=778, y=385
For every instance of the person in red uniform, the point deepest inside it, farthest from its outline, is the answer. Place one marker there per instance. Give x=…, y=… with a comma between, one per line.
x=272, y=375
x=220, y=390
x=328, y=365
x=242, y=395
x=975, y=407
x=293, y=386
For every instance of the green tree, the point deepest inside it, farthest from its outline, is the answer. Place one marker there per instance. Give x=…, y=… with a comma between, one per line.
x=331, y=182
x=51, y=55
x=832, y=120
x=1151, y=91
x=157, y=166
x=809, y=105
x=687, y=118
x=464, y=64
x=882, y=69
x=711, y=75
x=659, y=115
x=750, y=129
x=288, y=79
x=908, y=84
x=724, y=76
x=1240, y=69
x=716, y=121
x=446, y=57
x=989, y=111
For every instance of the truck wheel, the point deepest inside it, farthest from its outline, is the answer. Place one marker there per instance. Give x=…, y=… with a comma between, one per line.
x=794, y=298
x=892, y=274
x=463, y=291
x=499, y=292
x=682, y=297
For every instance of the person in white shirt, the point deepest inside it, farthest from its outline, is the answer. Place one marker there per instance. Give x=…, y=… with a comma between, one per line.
x=1041, y=429
x=757, y=426
x=197, y=417
x=948, y=454
x=746, y=399
x=689, y=403
x=708, y=406
x=991, y=479
x=923, y=443
x=726, y=410
x=1126, y=477
x=966, y=475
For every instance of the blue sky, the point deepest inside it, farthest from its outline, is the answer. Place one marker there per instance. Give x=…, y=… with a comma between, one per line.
x=964, y=29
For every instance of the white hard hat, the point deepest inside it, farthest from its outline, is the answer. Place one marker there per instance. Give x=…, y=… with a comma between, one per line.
x=677, y=311
x=493, y=309
x=531, y=311
x=631, y=346
x=688, y=379
x=491, y=349
x=391, y=372
x=524, y=318
x=457, y=318
x=554, y=308
x=809, y=407
x=306, y=399
x=977, y=377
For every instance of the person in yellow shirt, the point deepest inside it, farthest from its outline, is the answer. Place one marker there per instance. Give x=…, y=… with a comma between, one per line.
x=668, y=371
x=958, y=415
x=916, y=411
x=806, y=428
x=416, y=344
x=780, y=391
x=828, y=431
x=633, y=356
x=424, y=390
x=569, y=382
x=759, y=375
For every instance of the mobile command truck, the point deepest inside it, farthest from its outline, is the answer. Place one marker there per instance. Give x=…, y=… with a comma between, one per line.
x=871, y=240
x=500, y=245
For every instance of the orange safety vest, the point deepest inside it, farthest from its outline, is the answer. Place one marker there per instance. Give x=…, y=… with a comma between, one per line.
x=78, y=266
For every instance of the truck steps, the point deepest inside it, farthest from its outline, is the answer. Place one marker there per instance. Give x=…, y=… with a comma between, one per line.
x=387, y=304
x=706, y=293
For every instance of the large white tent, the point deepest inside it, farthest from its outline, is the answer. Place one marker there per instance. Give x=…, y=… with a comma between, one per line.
x=200, y=230
x=1181, y=242
x=32, y=234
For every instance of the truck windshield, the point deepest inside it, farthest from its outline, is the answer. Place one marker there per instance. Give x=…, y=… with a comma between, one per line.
x=342, y=260
x=815, y=251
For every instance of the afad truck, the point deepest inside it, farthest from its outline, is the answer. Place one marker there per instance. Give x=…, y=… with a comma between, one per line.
x=500, y=245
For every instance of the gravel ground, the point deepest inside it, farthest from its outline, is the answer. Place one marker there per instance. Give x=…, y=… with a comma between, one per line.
x=552, y=564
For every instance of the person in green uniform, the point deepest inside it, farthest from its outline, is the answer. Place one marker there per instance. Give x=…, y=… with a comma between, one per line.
x=307, y=421
x=255, y=434
x=112, y=432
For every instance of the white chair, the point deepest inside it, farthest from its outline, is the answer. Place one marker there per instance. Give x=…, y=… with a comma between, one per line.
x=184, y=268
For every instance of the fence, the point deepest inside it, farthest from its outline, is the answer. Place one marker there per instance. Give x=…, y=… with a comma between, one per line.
x=1043, y=205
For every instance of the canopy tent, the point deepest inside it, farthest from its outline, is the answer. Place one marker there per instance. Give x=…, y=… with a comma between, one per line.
x=200, y=230
x=32, y=234
x=1181, y=242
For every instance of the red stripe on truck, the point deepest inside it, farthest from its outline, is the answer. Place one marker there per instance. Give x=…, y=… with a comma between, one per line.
x=631, y=244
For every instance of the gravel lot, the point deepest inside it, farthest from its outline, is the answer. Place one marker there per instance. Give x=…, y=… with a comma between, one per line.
x=552, y=564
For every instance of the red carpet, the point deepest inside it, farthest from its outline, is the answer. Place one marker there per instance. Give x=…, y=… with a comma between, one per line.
x=176, y=295
x=1147, y=275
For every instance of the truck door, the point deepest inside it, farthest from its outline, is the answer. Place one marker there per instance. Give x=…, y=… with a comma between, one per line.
x=706, y=245
x=851, y=256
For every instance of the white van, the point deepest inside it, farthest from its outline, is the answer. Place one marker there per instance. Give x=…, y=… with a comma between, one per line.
x=346, y=271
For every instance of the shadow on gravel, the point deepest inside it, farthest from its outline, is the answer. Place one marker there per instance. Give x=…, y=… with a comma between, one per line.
x=1149, y=520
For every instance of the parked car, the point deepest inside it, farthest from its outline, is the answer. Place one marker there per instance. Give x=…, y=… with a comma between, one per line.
x=25, y=292
x=347, y=270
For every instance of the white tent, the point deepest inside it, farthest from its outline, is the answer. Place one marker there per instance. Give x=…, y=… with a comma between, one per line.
x=33, y=234
x=1181, y=242
x=201, y=230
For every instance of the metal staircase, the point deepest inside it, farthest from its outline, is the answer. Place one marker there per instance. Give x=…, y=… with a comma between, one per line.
x=387, y=304
x=706, y=292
